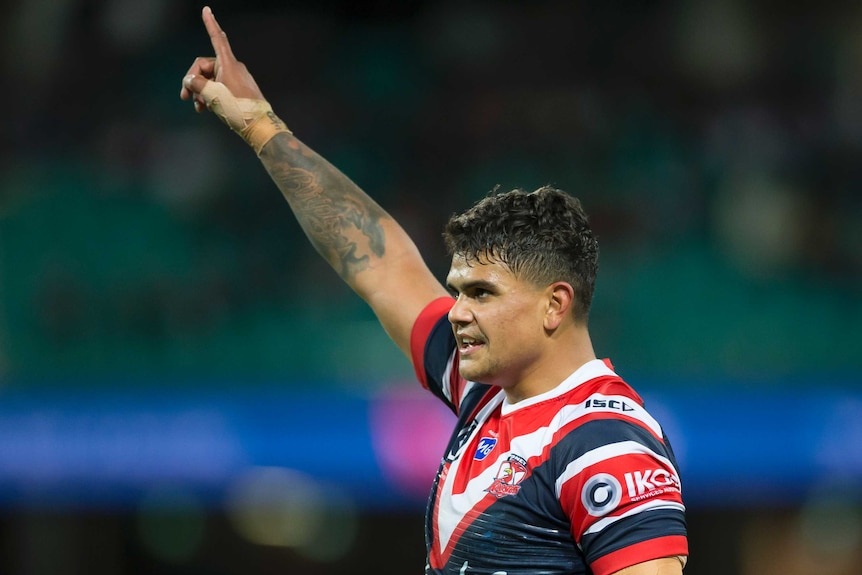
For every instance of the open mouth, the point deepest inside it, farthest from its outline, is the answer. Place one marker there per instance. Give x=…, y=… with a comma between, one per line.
x=467, y=345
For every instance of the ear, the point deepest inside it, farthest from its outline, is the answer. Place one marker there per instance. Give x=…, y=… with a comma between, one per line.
x=561, y=298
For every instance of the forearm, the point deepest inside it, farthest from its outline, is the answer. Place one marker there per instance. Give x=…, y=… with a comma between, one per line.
x=367, y=248
x=342, y=222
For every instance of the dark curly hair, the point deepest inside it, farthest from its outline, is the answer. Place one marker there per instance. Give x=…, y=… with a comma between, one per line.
x=542, y=236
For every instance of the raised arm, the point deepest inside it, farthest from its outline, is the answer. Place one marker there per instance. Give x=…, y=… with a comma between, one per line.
x=368, y=249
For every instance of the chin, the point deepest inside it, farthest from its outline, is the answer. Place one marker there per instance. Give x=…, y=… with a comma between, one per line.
x=476, y=375
x=480, y=376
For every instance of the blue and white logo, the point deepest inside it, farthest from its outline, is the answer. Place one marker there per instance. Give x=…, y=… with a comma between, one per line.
x=486, y=446
x=601, y=494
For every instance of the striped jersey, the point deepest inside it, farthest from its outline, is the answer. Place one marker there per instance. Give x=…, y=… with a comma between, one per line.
x=577, y=480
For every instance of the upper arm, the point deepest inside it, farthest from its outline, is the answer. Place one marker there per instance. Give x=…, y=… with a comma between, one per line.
x=618, y=484
x=398, y=285
x=664, y=566
x=364, y=244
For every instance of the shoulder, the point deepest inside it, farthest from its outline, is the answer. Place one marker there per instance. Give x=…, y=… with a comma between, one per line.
x=604, y=422
x=431, y=339
x=608, y=399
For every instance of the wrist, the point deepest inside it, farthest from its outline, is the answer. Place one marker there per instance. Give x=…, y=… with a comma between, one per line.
x=262, y=129
x=251, y=118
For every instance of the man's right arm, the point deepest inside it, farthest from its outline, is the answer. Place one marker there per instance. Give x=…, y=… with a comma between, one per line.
x=368, y=249
x=363, y=243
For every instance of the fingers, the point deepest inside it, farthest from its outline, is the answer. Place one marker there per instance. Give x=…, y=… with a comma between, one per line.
x=223, y=68
x=202, y=66
x=217, y=36
x=194, y=85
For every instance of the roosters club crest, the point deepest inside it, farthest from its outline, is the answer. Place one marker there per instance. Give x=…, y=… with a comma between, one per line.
x=511, y=473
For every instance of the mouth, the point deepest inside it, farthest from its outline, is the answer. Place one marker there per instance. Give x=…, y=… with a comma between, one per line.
x=468, y=345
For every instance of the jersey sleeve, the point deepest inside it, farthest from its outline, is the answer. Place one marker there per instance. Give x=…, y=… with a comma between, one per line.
x=432, y=350
x=619, y=485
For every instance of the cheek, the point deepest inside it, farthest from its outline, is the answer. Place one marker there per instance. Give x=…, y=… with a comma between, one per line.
x=517, y=328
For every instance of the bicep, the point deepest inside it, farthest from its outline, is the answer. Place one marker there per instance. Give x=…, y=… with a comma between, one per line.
x=664, y=566
x=365, y=246
x=398, y=286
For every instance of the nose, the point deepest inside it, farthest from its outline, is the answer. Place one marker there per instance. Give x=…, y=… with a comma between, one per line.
x=460, y=313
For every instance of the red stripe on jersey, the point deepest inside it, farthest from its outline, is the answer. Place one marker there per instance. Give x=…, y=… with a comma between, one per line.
x=422, y=327
x=641, y=479
x=668, y=546
x=458, y=384
x=531, y=418
x=439, y=555
x=492, y=426
x=541, y=413
x=606, y=385
x=471, y=478
x=603, y=416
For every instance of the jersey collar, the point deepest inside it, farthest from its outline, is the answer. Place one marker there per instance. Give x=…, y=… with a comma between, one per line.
x=590, y=370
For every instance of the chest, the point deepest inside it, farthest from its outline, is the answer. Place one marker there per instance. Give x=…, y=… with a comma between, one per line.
x=495, y=501
x=490, y=463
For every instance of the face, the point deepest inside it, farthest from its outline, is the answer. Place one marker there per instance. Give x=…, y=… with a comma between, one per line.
x=498, y=323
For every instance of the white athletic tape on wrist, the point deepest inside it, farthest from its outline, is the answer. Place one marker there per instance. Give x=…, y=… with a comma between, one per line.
x=254, y=120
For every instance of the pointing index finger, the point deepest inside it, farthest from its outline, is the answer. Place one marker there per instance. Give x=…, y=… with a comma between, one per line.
x=217, y=35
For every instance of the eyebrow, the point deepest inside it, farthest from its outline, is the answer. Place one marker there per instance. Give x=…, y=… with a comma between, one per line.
x=472, y=285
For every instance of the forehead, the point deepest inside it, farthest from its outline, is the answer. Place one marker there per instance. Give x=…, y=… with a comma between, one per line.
x=464, y=270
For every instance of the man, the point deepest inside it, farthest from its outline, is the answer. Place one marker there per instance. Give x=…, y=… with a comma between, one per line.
x=554, y=466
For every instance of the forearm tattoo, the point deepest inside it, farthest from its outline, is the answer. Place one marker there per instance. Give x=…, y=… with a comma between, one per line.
x=340, y=220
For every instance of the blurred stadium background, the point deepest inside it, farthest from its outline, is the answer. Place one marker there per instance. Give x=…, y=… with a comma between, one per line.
x=185, y=388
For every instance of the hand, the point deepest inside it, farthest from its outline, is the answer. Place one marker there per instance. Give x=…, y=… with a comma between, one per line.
x=223, y=85
x=223, y=68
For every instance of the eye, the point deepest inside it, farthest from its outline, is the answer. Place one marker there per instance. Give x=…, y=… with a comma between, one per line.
x=480, y=293
x=471, y=291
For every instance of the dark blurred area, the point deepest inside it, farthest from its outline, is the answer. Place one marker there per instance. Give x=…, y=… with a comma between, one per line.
x=717, y=146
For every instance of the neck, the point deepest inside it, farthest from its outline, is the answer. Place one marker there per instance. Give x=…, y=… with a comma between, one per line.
x=562, y=358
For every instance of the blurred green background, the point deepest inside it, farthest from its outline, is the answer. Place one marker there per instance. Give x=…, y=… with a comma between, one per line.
x=717, y=146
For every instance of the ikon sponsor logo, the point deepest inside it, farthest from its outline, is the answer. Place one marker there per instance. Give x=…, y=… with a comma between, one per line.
x=651, y=481
x=601, y=494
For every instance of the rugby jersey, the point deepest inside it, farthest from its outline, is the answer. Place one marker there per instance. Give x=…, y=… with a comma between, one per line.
x=577, y=480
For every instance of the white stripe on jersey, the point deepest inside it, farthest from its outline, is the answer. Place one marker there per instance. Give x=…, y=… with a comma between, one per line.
x=452, y=508
x=449, y=517
x=656, y=504
x=604, y=453
x=587, y=372
x=526, y=446
x=449, y=381
x=531, y=445
x=447, y=377
x=625, y=405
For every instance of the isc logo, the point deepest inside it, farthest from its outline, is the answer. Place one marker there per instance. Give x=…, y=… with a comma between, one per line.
x=609, y=404
x=640, y=482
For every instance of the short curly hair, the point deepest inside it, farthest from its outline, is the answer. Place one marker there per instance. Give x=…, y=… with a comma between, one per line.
x=542, y=237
